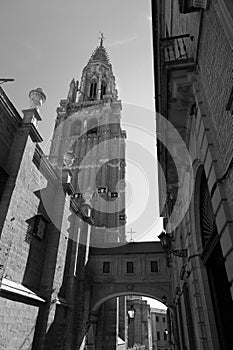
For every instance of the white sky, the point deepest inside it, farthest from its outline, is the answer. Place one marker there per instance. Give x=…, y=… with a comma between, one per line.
x=154, y=303
x=47, y=43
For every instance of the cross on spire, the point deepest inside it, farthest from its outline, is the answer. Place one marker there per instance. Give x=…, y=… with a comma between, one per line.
x=101, y=37
x=131, y=234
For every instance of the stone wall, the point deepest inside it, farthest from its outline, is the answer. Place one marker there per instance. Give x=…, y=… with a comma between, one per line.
x=26, y=259
x=23, y=206
x=17, y=325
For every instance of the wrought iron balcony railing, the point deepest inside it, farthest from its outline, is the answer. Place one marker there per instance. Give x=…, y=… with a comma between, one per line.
x=177, y=49
x=191, y=5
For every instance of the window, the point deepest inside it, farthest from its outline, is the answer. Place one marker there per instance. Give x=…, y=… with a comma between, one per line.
x=157, y=318
x=130, y=267
x=103, y=90
x=3, y=180
x=154, y=266
x=93, y=90
x=158, y=335
x=37, y=226
x=102, y=190
x=40, y=224
x=165, y=335
x=113, y=194
x=106, y=267
x=164, y=319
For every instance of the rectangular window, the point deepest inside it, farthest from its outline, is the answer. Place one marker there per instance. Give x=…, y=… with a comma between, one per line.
x=130, y=267
x=165, y=335
x=106, y=267
x=164, y=319
x=158, y=335
x=157, y=318
x=154, y=266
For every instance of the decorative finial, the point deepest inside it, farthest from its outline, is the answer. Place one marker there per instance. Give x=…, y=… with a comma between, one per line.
x=37, y=98
x=101, y=38
x=72, y=94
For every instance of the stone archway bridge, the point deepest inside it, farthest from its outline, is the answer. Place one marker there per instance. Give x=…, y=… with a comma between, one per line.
x=137, y=268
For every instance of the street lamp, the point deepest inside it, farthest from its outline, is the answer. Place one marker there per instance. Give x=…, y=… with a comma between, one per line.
x=164, y=239
x=165, y=243
x=131, y=312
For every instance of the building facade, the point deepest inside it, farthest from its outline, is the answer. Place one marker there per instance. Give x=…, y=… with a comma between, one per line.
x=193, y=83
x=160, y=339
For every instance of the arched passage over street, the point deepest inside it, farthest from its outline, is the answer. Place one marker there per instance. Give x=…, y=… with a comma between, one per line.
x=135, y=268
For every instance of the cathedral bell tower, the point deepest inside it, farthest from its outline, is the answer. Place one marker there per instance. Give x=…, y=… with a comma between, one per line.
x=98, y=81
x=89, y=145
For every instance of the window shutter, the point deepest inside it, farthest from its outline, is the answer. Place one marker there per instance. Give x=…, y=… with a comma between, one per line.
x=39, y=226
x=208, y=225
x=187, y=6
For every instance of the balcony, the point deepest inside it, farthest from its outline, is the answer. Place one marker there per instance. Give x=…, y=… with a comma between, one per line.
x=187, y=6
x=177, y=50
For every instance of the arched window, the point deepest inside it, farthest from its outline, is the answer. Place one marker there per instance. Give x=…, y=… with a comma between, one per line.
x=103, y=90
x=93, y=89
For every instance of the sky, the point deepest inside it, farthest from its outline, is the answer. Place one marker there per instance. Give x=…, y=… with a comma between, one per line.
x=46, y=43
x=155, y=303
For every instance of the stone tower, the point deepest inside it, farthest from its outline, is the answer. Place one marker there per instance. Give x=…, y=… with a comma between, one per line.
x=89, y=146
x=88, y=149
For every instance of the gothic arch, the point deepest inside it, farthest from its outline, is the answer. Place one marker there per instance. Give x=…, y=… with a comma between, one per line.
x=103, y=89
x=93, y=89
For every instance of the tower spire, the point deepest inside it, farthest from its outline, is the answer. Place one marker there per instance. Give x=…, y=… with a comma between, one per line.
x=98, y=81
x=101, y=39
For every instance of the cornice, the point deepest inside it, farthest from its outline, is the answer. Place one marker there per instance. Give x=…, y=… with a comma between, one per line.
x=10, y=109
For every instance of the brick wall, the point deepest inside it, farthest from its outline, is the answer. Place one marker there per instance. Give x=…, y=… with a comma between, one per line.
x=216, y=64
